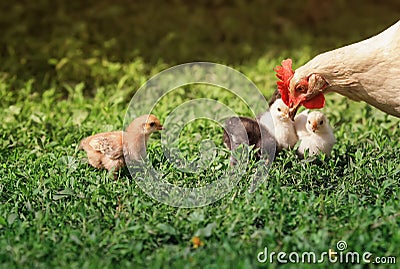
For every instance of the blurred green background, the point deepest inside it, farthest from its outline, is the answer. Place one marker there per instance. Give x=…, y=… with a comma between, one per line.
x=73, y=41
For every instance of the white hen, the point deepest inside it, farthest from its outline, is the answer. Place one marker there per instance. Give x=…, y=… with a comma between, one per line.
x=365, y=71
x=319, y=136
x=276, y=120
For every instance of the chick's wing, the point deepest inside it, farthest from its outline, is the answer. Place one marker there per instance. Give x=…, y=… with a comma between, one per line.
x=110, y=144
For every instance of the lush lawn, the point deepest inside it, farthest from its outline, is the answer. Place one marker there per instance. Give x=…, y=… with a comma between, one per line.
x=70, y=70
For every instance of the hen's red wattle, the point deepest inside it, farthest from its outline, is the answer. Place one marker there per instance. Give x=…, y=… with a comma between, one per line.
x=315, y=103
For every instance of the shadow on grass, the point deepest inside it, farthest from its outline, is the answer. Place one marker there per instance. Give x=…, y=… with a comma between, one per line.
x=43, y=38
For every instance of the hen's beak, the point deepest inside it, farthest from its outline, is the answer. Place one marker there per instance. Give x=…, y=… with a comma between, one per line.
x=293, y=111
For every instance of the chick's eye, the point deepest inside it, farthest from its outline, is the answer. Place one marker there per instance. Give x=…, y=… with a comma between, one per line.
x=321, y=122
x=152, y=124
x=309, y=122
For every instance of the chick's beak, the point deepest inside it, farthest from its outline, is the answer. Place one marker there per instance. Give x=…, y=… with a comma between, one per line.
x=286, y=114
x=160, y=127
x=314, y=127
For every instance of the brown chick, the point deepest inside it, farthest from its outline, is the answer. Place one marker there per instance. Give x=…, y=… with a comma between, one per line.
x=106, y=150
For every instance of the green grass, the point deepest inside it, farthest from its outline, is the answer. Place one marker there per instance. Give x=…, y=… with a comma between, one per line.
x=77, y=78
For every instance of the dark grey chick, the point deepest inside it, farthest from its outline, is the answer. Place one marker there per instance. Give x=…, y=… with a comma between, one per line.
x=242, y=130
x=276, y=95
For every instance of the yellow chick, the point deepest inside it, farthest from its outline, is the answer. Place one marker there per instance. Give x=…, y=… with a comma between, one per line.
x=106, y=150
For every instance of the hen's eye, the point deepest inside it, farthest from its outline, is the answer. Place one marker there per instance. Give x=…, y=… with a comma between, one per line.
x=152, y=124
x=321, y=122
x=301, y=88
x=279, y=109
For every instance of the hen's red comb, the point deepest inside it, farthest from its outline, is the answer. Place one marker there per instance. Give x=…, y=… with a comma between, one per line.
x=285, y=73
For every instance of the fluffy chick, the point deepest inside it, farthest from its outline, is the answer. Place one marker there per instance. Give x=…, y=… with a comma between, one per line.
x=106, y=150
x=276, y=120
x=300, y=122
x=242, y=130
x=318, y=137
